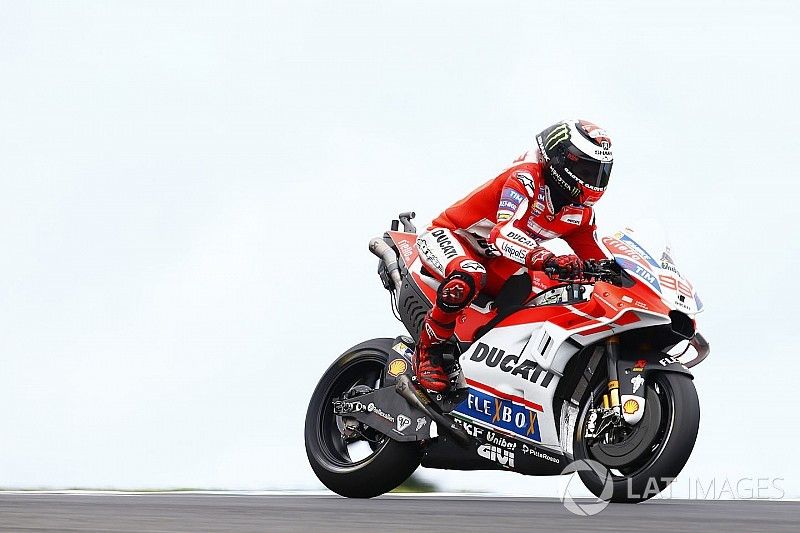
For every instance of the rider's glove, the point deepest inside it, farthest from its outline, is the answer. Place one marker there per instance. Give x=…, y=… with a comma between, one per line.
x=567, y=266
x=536, y=258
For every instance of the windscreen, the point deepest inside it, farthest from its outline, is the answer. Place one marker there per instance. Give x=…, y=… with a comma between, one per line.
x=648, y=257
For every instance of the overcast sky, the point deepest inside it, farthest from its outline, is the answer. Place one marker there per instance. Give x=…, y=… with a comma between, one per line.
x=187, y=190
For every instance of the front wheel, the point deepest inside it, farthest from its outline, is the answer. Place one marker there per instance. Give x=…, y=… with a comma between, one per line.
x=643, y=460
x=349, y=458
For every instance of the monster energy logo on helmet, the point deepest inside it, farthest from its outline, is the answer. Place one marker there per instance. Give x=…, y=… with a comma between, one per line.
x=559, y=133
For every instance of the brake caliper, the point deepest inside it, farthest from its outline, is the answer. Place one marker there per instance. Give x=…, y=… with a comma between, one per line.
x=600, y=420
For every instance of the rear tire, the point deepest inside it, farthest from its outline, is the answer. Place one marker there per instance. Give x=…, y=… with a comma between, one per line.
x=390, y=463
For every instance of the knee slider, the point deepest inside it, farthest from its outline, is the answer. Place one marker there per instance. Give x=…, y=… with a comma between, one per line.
x=475, y=270
x=456, y=292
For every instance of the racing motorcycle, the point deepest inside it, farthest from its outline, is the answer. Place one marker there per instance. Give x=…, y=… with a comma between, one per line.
x=595, y=368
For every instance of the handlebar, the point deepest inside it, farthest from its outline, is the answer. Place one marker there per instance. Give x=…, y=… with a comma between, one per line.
x=593, y=270
x=405, y=219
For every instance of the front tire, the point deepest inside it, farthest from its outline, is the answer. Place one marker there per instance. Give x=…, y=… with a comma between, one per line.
x=390, y=462
x=676, y=398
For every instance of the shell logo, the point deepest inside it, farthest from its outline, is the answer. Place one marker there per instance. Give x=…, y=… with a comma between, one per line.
x=630, y=407
x=397, y=367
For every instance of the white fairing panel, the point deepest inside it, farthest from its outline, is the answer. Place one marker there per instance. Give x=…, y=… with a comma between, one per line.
x=512, y=381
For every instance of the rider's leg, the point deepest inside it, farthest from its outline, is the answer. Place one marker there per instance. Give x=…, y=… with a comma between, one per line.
x=498, y=271
x=462, y=277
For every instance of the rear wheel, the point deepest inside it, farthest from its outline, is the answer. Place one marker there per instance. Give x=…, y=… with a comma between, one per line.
x=642, y=460
x=349, y=458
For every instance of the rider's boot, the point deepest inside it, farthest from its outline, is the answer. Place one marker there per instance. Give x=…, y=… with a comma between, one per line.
x=436, y=330
x=455, y=293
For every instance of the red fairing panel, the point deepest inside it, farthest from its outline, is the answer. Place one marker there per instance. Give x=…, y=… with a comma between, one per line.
x=406, y=244
x=608, y=306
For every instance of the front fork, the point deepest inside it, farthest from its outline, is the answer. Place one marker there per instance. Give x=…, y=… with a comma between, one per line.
x=612, y=358
x=601, y=420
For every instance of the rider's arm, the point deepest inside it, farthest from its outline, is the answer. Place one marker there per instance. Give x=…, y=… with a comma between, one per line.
x=511, y=241
x=584, y=240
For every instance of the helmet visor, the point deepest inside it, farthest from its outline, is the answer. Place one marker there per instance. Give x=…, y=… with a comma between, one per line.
x=590, y=171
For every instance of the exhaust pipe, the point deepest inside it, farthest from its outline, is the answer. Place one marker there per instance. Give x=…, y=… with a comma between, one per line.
x=406, y=388
x=385, y=253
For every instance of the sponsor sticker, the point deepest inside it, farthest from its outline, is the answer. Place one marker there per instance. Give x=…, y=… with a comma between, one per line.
x=533, y=451
x=400, y=348
x=512, y=251
x=406, y=245
x=638, y=249
x=372, y=408
x=500, y=440
x=637, y=381
x=630, y=407
x=422, y=246
x=640, y=272
x=507, y=362
x=639, y=365
x=527, y=181
x=508, y=204
x=498, y=455
x=402, y=422
x=522, y=239
x=624, y=245
x=473, y=430
x=666, y=361
x=472, y=266
x=501, y=413
x=397, y=367
x=445, y=243
x=512, y=196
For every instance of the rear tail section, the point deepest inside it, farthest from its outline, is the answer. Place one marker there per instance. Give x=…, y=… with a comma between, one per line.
x=397, y=252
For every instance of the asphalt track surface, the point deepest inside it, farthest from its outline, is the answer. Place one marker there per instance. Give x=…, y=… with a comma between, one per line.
x=228, y=513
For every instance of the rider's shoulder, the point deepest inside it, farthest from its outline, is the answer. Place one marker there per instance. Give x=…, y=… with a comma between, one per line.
x=527, y=173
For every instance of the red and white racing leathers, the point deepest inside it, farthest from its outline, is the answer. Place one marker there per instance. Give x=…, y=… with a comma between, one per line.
x=492, y=234
x=506, y=218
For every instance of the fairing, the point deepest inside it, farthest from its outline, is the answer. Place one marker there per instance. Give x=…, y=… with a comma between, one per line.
x=647, y=256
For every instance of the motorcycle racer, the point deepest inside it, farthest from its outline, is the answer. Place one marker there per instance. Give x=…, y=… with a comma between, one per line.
x=496, y=231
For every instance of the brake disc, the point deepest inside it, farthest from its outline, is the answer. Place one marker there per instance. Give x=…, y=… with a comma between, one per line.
x=637, y=443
